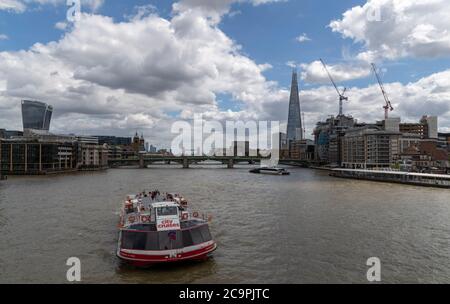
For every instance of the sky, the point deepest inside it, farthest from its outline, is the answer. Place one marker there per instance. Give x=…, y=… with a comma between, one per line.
x=140, y=65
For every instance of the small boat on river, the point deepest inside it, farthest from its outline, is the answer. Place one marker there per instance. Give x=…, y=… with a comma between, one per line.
x=157, y=228
x=270, y=171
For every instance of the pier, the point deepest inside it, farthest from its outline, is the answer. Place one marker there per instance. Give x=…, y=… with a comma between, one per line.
x=408, y=178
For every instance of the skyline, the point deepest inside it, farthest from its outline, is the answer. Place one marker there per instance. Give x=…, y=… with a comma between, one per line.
x=162, y=62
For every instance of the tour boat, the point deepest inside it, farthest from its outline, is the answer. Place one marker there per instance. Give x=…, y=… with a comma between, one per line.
x=271, y=171
x=160, y=228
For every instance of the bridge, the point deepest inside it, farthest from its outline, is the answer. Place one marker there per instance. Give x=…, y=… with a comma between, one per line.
x=143, y=161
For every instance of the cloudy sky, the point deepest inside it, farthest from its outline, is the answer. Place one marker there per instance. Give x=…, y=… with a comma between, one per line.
x=143, y=64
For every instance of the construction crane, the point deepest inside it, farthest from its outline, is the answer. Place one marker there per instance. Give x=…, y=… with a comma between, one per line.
x=342, y=97
x=388, y=107
x=304, y=125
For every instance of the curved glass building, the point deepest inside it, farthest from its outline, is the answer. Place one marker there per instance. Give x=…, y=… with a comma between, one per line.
x=36, y=115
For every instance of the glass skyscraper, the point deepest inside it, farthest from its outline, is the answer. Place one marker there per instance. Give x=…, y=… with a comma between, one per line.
x=294, y=127
x=36, y=115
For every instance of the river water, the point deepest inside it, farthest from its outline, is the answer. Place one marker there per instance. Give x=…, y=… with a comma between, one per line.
x=303, y=228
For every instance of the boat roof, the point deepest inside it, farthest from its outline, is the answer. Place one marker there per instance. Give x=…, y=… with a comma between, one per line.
x=443, y=176
x=272, y=168
x=164, y=204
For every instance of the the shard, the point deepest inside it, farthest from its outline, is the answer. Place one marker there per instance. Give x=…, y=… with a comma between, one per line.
x=294, y=127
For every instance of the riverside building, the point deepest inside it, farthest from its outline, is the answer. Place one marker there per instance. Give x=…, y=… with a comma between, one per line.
x=390, y=143
x=36, y=151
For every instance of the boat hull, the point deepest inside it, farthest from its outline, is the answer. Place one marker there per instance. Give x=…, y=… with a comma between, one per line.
x=147, y=258
x=269, y=172
x=274, y=173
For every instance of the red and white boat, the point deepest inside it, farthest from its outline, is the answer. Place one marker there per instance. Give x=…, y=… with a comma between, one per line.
x=157, y=228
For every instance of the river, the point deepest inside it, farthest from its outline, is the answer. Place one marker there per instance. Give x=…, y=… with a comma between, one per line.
x=303, y=228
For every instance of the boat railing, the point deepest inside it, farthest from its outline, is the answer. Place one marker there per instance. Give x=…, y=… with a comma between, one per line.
x=182, y=229
x=189, y=215
x=147, y=218
x=135, y=218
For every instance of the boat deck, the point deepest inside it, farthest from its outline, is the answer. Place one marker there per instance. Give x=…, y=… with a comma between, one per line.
x=136, y=212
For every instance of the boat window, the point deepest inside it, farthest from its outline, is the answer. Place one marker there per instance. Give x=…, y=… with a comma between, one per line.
x=206, y=235
x=152, y=241
x=165, y=240
x=128, y=239
x=170, y=240
x=140, y=241
x=196, y=236
x=167, y=211
x=187, y=239
x=178, y=242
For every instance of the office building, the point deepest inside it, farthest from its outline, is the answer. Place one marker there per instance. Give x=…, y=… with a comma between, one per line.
x=114, y=141
x=327, y=138
x=91, y=155
x=36, y=115
x=7, y=134
x=28, y=156
x=152, y=149
x=302, y=150
x=427, y=128
x=369, y=147
x=294, y=127
x=444, y=140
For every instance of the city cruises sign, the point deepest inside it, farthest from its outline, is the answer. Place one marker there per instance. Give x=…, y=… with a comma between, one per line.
x=167, y=224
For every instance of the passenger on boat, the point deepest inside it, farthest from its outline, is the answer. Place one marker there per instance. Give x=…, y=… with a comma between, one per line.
x=153, y=195
x=129, y=207
x=184, y=203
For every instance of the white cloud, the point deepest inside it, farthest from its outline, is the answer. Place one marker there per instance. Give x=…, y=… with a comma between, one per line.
x=3, y=85
x=120, y=77
x=314, y=72
x=12, y=5
x=142, y=11
x=113, y=78
x=259, y=2
x=303, y=38
x=291, y=64
x=61, y=26
x=3, y=37
x=215, y=9
x=428, y=96
x=414, y=28
x=93, y=5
